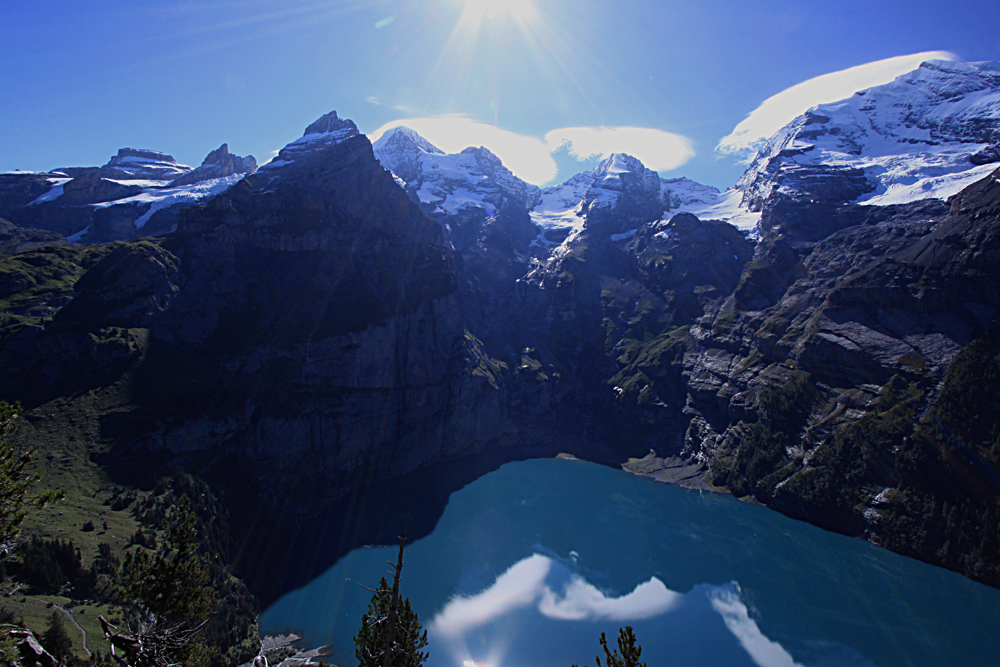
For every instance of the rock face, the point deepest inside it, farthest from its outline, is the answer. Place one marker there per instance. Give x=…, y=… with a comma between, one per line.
x=321, y=296
x=217, y=164
x=816, y=330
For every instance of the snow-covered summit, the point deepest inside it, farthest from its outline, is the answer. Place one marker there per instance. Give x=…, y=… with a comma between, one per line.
x=928, y=133
x=620, y=187
x=143, y=164
x=403, y=139
x=620, y=184
x=401, y=151
x=448, y=183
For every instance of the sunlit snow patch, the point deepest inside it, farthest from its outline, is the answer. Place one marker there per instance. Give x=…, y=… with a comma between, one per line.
x=159, y=199
x=726, y=206
x=905, y=187
x=54, y=192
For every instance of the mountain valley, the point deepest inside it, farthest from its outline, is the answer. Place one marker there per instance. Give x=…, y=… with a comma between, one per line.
x=350, y=320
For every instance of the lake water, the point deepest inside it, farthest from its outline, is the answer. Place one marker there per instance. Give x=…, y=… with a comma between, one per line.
x=530, y=563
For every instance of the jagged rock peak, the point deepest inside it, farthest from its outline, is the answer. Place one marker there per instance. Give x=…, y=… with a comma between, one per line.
x=331, y=123
x=218, y=164
x=217, y=156
x=327, y=131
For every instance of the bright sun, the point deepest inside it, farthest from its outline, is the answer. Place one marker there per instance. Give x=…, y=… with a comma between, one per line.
x=477, y=11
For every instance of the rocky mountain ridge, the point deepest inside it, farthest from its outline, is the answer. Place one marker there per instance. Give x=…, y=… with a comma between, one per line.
x=322, y=325
x=137, y=193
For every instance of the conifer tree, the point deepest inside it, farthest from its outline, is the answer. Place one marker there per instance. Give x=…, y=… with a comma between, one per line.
x=167, y=595
x=630, y=652
x=390, y=634
x=15, y=481
x=56, y=640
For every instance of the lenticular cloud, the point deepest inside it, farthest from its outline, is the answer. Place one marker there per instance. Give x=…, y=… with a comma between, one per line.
x=778, y=110
x=530, y=158
x=527, y=157
x=658, y=150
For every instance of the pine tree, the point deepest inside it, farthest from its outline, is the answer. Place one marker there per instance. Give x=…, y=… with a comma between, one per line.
x=167, y=596
x=10, y=656
x=16, y=484
x=15, y=481
x=629, y=656
x=390, y=634
x=56, y=640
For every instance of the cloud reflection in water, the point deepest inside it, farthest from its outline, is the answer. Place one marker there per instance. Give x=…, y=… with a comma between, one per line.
x=544, y=585
x=535, y=581
x=763, y=651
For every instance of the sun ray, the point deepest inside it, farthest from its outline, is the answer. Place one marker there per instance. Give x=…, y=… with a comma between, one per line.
x=490, y=38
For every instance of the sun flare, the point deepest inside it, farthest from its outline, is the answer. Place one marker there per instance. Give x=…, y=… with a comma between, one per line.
x=492, y=44
x=478, y=11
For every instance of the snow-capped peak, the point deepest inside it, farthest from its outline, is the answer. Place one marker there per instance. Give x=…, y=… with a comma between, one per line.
x=914, y=138
x=620, y=183
x=619, y=163
x=404, y=139
x=220, y=163
x=143, y=164
x=448, y=183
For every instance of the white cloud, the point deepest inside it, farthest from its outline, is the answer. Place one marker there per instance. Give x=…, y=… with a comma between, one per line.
x=580, y=601
x=778, y=110
x=527, y=157
x=658, y=150
x=530, y=158
x=527, y=583
x=736, y=616
x=516, y=588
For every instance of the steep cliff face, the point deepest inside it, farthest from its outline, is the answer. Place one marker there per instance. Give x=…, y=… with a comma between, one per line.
x=315, y=326
x=818, y=334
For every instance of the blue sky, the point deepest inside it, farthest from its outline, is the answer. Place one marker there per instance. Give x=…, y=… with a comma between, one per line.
x=80, y=80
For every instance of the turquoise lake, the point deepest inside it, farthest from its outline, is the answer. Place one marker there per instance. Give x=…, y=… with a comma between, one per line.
x=530, y=563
